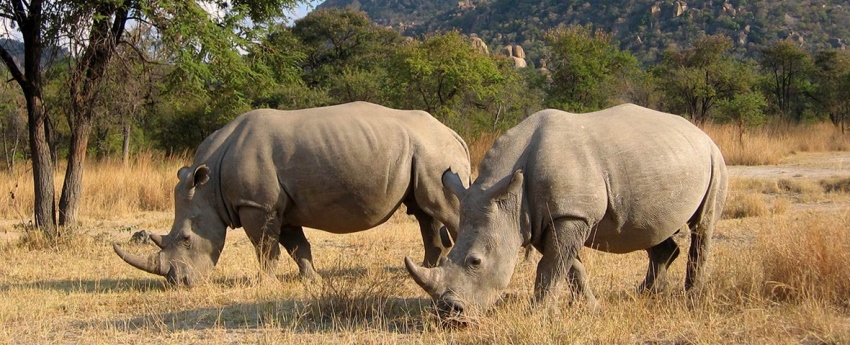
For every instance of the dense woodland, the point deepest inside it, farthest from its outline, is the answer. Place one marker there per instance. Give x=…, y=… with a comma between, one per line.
x=166, y=91
x=646, y=28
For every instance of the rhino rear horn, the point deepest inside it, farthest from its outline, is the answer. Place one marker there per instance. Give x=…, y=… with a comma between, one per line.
x=158, y=240
x=511, y=184
x=427, y=278
x=453, y=183
x=151, y=264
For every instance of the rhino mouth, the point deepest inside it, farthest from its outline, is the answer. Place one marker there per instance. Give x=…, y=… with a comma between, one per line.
x=449, y=305
x=453, y=312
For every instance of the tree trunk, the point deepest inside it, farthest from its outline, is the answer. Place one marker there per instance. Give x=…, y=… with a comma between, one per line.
x=125, y=149
x=42, y=166
x=85, y=81
x=72, y=187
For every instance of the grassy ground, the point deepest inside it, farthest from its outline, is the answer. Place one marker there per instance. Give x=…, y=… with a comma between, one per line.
x=778, y=276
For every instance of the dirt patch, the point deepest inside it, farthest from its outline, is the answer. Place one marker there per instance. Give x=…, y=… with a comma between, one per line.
x=802, y=165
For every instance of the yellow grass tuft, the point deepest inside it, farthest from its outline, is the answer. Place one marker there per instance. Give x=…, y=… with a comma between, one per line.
x=745, y=205
x=478, y=148
x=808, y=259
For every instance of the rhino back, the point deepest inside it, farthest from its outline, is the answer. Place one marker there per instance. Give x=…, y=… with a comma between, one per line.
x=638, y=174
x=342, y=168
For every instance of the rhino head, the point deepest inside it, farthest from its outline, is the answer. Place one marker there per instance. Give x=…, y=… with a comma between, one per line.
x=472, y=276
x=193, y=246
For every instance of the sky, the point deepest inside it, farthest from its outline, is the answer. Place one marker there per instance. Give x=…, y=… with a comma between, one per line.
x=303, y=9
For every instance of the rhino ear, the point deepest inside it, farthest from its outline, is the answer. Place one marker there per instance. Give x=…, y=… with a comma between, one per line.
x=202, y=175
x=505, y=187
x=184, y=173
x=453, y=183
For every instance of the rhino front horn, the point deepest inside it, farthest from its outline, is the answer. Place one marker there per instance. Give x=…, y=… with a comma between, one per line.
x=151, y=264
x=427, y=278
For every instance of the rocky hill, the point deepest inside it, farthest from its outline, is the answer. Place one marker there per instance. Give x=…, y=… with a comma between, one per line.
x=644, y=27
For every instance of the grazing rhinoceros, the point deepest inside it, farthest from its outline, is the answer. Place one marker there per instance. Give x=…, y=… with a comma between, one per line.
x=341, y=169
x=618, y=180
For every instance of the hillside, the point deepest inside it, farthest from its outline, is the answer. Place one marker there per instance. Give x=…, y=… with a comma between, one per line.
x=644, y=27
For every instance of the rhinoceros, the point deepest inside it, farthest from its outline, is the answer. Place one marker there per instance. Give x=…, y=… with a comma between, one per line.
x=617, y=180
x=341, y=169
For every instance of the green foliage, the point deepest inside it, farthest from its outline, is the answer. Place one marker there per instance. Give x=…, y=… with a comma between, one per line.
x=646, y=28
x=744, y=109
x=207, y=71
x=207, y=49
x=831, y=85
x=784, y=66
x=345, y=53
x=439, y=74
x=694, y=80
x=588, y=70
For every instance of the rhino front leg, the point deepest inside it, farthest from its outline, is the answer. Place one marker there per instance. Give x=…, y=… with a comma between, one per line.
x=263, y=229
x=560, y=262
x=435, y=236
x=660, y=258
x=293, y=240
x=580, y=285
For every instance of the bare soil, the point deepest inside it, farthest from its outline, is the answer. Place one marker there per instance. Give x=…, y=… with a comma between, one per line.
x=802, y=165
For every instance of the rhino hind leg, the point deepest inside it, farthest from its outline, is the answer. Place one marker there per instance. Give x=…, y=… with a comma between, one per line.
x=293, y=240
x=660, y=258
x=704, y=222
x=435, y=236
x=263, y=229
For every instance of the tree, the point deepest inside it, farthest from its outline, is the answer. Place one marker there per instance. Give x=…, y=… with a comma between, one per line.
x=831, y=85
x=588, y=70
x=38, y=32
x=694, y=80
x=785, y=65
x=439, y=72
x=744, y=109
x=346, y=54
x=197, y=39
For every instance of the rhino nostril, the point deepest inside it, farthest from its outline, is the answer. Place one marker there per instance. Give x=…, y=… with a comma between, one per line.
x=449, y=307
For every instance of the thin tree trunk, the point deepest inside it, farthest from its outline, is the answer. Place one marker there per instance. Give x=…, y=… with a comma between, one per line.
x=125, y=149
x=42, y=167
x=72, y=188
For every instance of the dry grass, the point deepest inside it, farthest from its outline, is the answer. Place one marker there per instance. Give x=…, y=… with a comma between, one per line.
x=478, y=149
x=778, y=275
x=769, y=144
x=762, y=145
x=775, y=279
x=110, y=189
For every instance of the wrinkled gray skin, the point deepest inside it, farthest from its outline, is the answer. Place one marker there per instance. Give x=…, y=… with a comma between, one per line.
x=341, y=169
x=618, y=180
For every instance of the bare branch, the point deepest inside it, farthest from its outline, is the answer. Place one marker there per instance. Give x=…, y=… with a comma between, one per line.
x=12, y=66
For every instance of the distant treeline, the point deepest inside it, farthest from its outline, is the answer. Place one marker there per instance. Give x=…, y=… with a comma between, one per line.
x=334, y=56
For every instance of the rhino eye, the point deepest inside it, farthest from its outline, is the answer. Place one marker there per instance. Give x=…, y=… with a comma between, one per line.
x=473, y=261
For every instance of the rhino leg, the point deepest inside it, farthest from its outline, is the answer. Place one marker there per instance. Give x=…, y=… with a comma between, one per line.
x=698, y=253
x=435, y=236
x=560, y=262
x=263, y=229
x=660, y=258
x=579, y=284
x=293, y=240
